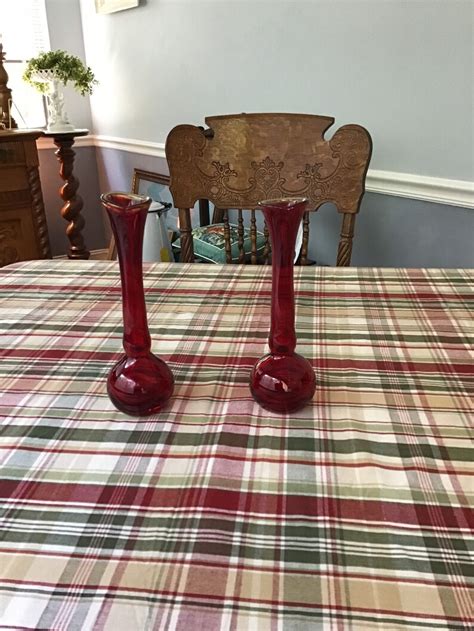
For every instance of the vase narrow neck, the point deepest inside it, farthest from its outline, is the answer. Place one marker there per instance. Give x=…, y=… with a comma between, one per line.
x=128, y=227
x=283, y=220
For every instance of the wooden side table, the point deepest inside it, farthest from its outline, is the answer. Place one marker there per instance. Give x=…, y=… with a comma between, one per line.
x=71, y=211
x=23, y=228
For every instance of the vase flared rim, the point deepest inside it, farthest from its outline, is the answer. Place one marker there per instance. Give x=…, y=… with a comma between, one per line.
x=282, y=202
x=135, y=201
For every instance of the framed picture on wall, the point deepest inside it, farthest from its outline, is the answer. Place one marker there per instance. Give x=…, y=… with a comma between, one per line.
x=111, y=6
x=156, y=186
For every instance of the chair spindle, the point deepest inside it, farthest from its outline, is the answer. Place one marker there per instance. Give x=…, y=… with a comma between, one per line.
x=266, y=249
x=203, y=212
x=253, y=238
x=240, y=235
x=304, y=245
x=217, y=215
x=228, y=249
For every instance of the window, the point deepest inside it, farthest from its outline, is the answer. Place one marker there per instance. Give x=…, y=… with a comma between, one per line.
x=24, y=35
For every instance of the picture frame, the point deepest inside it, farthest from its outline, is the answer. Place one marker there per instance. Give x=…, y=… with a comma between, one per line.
x=103, y=7
x=149, y=184
x=156, y=186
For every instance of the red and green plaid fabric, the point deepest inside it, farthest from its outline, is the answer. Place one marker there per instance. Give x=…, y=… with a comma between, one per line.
x=351, y=514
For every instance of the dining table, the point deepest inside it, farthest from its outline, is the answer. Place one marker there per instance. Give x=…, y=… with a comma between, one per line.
x=354, y=512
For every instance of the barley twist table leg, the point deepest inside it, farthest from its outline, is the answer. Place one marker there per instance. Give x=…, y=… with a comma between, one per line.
x=71, y=211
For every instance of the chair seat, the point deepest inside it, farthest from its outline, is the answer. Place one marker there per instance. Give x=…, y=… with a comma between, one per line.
x=209, y=243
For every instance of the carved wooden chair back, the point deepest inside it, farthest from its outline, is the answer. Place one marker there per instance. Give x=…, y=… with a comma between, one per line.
x=242, y=159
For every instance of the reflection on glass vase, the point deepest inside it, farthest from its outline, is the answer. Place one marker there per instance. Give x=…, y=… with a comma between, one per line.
x=283, y=381
x=140, y=383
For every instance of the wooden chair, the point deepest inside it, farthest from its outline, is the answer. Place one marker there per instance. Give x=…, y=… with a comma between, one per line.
x=241, y=159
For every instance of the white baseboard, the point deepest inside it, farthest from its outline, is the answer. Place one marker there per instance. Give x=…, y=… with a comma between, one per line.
x=431, y=189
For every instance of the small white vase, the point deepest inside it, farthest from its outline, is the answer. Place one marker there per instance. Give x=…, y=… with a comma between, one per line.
x=57, y=117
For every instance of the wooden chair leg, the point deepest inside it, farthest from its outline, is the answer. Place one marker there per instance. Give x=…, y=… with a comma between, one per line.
x=186, y=236
x=344, y=251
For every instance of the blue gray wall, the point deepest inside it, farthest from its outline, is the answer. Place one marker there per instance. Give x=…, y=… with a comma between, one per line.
x=398, y=232
x=65, y=31
x=401, y=68
x=85, y=169
x=390, y=231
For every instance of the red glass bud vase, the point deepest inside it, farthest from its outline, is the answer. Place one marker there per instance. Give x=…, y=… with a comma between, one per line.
x=140, y=383
x=283, y=381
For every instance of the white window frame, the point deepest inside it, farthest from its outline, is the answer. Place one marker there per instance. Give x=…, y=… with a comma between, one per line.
x=30, y=37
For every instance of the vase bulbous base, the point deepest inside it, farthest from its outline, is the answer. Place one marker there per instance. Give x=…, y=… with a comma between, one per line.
x=282, y=383
x=140, y=386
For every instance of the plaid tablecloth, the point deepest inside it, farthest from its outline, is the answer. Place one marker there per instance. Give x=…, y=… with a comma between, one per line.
x=351, y=514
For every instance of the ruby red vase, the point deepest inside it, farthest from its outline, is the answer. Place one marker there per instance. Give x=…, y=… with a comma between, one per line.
x=140, y=383
x=283, y=381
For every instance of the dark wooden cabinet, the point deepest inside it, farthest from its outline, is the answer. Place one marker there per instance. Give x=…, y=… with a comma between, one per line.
x=23, y=228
